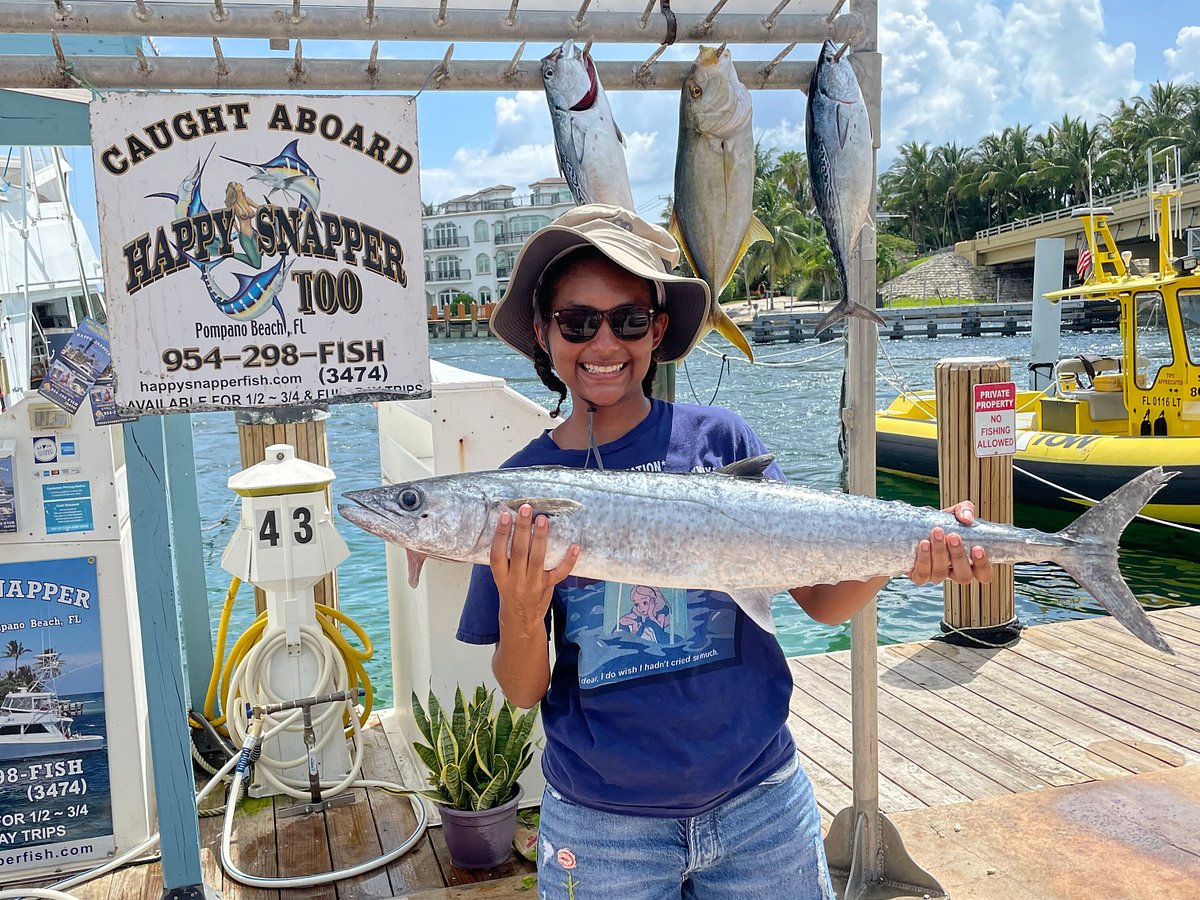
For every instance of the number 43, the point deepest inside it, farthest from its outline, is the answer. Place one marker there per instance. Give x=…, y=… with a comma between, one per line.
x=302, y=533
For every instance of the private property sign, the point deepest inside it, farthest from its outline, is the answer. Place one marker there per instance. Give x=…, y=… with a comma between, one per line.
x=996, y=419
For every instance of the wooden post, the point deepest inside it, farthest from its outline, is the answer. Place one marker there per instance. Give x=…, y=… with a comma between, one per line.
x=304, y=428
x=975, y=614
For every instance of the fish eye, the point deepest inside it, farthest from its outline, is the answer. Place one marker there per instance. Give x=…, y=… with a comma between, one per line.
x=696, y=91
x=548, y=72
x=411, y=499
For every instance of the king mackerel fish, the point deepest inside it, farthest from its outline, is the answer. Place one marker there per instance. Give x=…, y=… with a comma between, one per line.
x=656, y=528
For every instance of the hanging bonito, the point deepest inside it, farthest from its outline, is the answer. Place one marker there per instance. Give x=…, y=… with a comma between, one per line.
x=587, y=141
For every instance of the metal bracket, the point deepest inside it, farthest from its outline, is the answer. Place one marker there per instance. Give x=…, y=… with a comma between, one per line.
x=894, y=873
x=192, y=892
x=303, y=809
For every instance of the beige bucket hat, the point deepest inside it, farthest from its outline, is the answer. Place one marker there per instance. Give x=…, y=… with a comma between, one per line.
x=634, y=244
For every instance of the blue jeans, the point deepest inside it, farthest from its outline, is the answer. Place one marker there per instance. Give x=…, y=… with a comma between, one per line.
x=764, y=843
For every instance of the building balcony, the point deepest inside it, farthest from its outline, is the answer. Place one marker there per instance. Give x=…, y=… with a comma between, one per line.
x=446, y=243
x=451, y=275
x=511, y=238
x=503, y=272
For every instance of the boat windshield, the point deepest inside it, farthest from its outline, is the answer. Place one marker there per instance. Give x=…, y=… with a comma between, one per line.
x=1152, y=348
x=1189, y=312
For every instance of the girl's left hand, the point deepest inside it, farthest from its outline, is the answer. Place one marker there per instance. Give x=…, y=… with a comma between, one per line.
x=943, y=555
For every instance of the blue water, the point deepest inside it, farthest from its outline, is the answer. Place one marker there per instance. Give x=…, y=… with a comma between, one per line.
x=791, y=401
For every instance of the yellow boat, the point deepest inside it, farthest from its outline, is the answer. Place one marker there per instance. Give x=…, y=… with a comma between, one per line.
x=1102, y=420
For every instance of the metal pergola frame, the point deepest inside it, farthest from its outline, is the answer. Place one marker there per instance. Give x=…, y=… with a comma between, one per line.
x=863, y=846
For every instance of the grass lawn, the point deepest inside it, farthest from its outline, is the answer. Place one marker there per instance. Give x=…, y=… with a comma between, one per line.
x=895, y=302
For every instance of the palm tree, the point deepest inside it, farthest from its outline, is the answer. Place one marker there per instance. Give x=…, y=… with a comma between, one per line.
x=905, y=188
x=1066, y=149
x=14, y=650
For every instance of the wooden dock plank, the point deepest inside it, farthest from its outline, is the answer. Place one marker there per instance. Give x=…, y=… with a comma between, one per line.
x=1121, y=645
x=928, y=789
x=1027, y=756
x=1139, y=674
x=929, y=755
x=995, y=686
x=983, y=759
x=353, y=839
x=303, y=849
x=1049, y=686
x=252, y=847
x=1077, y=758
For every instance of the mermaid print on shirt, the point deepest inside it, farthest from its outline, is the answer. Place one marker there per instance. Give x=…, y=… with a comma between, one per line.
x=626, y=632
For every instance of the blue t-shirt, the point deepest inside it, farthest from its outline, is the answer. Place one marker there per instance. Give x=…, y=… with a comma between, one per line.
x=662, y=701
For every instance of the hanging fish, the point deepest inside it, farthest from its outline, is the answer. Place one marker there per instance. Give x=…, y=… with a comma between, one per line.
x=287, y=172
x=188, y=201
x=841, y=166
x=588, y=143
x=255, y=294
x=713, y=216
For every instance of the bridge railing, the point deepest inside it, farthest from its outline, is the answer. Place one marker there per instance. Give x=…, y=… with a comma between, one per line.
x=1113, y=200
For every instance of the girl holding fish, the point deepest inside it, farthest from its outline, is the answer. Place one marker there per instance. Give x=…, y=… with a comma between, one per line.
x=671, y=771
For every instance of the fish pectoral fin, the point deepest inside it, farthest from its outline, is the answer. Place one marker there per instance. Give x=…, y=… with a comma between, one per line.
x=756, y=603
x=620, y=136
x=842, y=116
x=753, y=467
x=677, y=232
x=578, y=140
x=546, y=506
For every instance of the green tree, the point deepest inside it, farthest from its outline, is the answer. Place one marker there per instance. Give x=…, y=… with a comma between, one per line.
x=14, y=650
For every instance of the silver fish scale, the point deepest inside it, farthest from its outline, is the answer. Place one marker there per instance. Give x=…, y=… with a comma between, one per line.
x=640, y=527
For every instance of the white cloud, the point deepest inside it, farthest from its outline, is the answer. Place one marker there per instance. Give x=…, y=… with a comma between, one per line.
x=956, y=69
x=1183, y=61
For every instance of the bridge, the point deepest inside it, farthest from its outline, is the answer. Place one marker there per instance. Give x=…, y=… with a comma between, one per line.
x=1012, y=244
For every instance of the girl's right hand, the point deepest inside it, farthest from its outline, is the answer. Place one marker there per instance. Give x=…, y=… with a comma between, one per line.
x=524, y=583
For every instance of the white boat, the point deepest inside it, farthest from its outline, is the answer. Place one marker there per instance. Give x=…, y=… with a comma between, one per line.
x=35, y=722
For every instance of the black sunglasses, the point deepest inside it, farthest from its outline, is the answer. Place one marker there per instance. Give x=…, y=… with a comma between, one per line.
x=579, y=324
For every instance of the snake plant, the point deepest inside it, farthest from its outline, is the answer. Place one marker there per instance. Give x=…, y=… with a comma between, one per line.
x=474, y=756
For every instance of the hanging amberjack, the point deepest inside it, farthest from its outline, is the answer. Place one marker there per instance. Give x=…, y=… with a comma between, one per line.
x=713, y=214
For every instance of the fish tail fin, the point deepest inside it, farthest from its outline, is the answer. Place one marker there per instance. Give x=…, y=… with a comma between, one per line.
x=1091, y=556
x=730, y=331
x=847, y=307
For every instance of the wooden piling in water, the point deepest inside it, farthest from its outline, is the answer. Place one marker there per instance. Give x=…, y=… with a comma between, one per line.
x=304, y=429
x=974, y=614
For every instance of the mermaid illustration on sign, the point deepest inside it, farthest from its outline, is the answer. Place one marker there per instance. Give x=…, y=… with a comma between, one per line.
x=256, y=292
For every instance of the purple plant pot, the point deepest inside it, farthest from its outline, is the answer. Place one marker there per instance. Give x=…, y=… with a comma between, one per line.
x=480, y=839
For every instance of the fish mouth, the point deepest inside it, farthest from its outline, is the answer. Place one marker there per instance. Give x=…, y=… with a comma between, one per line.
x=588, y=99
x=371, y=520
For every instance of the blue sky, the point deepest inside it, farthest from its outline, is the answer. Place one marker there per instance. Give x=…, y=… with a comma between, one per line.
x=953, y=70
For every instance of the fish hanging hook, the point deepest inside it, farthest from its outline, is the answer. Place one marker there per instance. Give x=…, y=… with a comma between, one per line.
x=511, y=19
x=372, y=69
x=766, y=70
x=578, y=21
x=512, y=72
x=706, y=24
x=769, y=21
x=219, y=13
x=837, y=7
x=143, y=64
x=222, y=68
x=837, y=57
x=297, y=14
x=141, y=13
x=370, y=13
x=645, y=19
x=641, y=75
x=296, y=72
x=442, y=15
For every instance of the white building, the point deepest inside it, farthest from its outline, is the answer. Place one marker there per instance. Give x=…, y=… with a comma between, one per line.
x=472, y=240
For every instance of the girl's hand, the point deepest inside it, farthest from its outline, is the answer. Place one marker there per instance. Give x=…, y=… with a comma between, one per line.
x=943, y=555
x=524, y=584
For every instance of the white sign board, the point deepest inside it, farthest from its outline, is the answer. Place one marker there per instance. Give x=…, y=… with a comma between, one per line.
x=260, y=251
x=996, y=419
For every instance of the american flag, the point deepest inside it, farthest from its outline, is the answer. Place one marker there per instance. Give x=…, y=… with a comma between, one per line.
x=1084, y=263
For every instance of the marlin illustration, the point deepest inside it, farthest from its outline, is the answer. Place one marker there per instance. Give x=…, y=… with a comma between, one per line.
x=188, y=201
x=255, y=294
x=287, y=172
